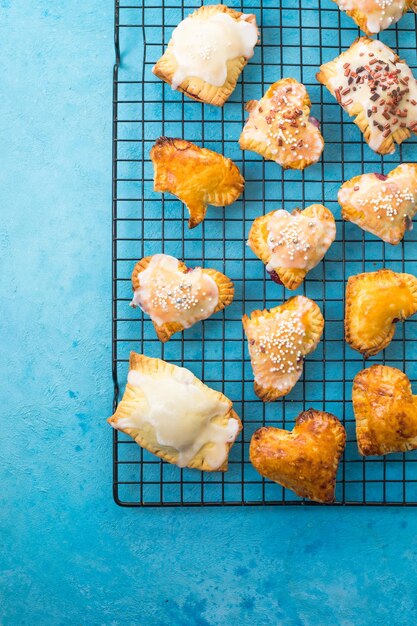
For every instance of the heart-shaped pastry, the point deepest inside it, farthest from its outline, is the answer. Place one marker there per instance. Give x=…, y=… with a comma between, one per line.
x=291, y=244
x=374, y=16
x=278, y=341
x=385, y=411
x=305, y=459
x=280, y=128
x=197, y=176
x=171, y=413
x=375, y=301
x=176, y=297
x=382, y=205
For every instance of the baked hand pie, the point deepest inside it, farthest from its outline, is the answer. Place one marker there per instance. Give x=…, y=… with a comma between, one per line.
x=207, y=53
x=291, y=244
x=278, y=341
x=171, y=413
x=374, y=16
x=375, y=301
x=382, y=205
x=176, y=297
x=372, y=84
x=305, y=459
x=197, y=176
x=385, y=411
x=280, y=128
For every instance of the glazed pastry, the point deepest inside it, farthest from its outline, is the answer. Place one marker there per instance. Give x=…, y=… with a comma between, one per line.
x=291, y=244
x=374, y=16
x=197, y=176
x=385, y=411
x=171, y=413
x=375, y=301
x=305, y=459
x=382, y=205
x=176, y=297
x=278, y=341
x=207, y=53
x=372, y=84
x=280, y=128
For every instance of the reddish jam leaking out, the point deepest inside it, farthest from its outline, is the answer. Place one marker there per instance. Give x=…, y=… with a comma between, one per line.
x=275, y=277
x=314, y=121
x=380, y=176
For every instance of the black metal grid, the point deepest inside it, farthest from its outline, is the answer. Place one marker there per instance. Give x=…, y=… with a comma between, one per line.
x=296, y=37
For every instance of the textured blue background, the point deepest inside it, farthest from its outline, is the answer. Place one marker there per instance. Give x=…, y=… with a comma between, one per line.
x=69, y=555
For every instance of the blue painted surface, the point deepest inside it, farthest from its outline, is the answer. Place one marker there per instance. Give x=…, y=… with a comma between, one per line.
x=69, y=555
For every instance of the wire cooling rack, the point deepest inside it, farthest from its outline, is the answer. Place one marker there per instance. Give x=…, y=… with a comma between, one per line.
x=296, y=37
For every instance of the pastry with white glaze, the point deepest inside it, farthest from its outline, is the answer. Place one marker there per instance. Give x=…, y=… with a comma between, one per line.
x=197, y=176
x=207, y=53
x=382, y=205
x=176, y=297
x=280, y=127
x=374, y=16
x=278, y=341
x=171, y=413
x=373, y=85
x=291, y=244
x=375, y=302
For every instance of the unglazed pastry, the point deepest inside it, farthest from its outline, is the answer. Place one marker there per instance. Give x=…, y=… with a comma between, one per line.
x=278, y=341
x=291, y=244
x=374, y=16
x=171, y=413
x=372, y=84
x=375, y=301
x=385, y=411
x=176, y=297
x=207, y=53
x=280, y=128
x=305, y=459
x=382, y=205
x=197, y=176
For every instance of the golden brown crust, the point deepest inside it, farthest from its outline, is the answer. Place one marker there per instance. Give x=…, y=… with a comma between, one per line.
x=224, y=285
x=196, y=88
x=363, y=119
x=385, y=411
x=197, y=176
x=145, y=436
x=305, y=459
x=258, y=243
x=375, y=301
x=283, y=132
x=271, y=382
x=361, y=17
x=383, y=213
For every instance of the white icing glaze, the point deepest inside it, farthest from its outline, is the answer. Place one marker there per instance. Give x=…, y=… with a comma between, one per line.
x=297, y=241
x=180, y=412
x=361, y=74
x=167, y=294
x=202, y=46
x=380, y=13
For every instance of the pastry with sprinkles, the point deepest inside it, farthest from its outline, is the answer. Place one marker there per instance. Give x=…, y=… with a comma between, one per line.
x=305, y=459
x=385, y=411
x=207, y=53
x=382, y=205
x=280, y=127
x=374, y=16
x=278, y=341
x=197, y=176
x=174, y=415
x=372, y=84
x=176, y=297
x=291, y=244
x=375, y=302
